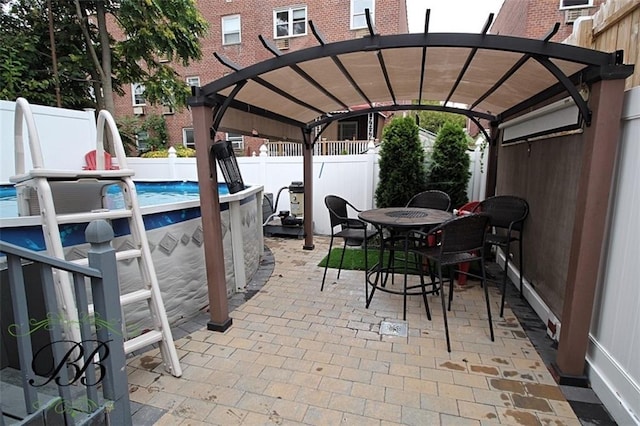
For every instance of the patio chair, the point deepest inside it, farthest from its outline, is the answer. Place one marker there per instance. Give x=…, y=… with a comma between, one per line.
x=461, y=239
x=353, y=231
x=508, y=214
x=92, y=162
x=432, y=199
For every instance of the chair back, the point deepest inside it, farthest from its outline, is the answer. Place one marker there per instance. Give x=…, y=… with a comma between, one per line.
x=337, y=207
x=505, y=211
x=463, y=234
x=432, y=199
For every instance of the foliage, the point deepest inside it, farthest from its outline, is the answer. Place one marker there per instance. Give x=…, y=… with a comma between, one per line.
x=88, y=55
x=402, y=172
x=449, y=170
x=181, y=151
x=434, y=120
x=26, y=66
x=154, y=125
x=156, y=30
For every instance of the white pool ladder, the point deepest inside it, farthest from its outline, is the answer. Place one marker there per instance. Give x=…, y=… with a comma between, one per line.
x=76, y=196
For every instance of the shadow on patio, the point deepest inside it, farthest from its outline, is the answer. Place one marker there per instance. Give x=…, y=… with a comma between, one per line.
x=295, y=355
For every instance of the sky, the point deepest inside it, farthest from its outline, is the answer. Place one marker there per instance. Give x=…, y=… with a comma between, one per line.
x=458, y=16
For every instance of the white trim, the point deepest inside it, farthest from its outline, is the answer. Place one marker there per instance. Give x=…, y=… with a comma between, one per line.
x=290, y=33
x=193, y=77
x=537, y=304
x=612, y=384
x=228, y=19
x=134, y=86
x=372, y=10
x=588, y=4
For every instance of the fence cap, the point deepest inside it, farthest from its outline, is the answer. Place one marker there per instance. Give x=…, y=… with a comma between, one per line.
x=98, y=231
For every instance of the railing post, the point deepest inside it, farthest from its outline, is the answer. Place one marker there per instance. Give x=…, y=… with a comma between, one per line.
x=172, y=162
x=108, y=316
x=370, y=180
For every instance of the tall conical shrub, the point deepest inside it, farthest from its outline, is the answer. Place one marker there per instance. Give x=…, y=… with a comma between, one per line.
x=449, y=170
x=402, y=172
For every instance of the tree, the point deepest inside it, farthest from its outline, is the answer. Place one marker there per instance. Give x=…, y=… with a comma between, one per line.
x=449, y=171
x=402, y=172
x=89, y=57
x=154, y=30
x=434, y=120
x=26, y=65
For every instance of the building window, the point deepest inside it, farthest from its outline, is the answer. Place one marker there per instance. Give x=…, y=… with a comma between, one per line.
x=193, y=81
x=575, y=4
x=347, y=130
x=237, y=140
x=137, y=93
x=188, y=139
x=358, y=17
x=141, y=141
x=290, y=22
x=231, y=29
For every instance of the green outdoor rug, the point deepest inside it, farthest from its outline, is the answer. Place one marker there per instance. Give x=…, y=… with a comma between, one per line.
x=354, y=259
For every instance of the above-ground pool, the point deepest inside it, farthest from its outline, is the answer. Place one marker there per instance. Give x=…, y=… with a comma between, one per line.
x=172, y=218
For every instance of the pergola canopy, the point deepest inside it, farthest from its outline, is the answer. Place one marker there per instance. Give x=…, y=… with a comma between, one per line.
x=482, y=76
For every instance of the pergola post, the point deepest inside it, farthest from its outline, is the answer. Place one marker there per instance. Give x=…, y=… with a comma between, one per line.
x=211, y=223
x=600, y=147
x=307, y=161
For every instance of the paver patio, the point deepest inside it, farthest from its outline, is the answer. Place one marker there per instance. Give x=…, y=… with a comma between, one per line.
x=295, y=355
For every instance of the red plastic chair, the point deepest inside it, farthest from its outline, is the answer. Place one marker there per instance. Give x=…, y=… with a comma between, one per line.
x=90, y=159
x=464, y=267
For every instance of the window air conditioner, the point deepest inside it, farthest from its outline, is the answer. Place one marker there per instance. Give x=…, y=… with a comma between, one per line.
x=138, y=110
x=570, y=15
x=282, y=43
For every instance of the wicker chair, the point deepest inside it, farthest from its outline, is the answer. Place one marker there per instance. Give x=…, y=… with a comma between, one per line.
x=508, y=214
x=353, y=231
x=433, y=199
x=461, y=239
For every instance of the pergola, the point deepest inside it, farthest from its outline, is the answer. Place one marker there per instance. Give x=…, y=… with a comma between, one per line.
x=295, y=96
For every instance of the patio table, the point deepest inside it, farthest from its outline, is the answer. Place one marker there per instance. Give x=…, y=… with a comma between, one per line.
x=398, y=221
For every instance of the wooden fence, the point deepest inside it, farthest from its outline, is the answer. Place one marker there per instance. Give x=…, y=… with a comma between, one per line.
x=615, y=26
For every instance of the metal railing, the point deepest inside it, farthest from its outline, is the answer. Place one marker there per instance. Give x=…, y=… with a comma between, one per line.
x=322, y=147
x=90, y=375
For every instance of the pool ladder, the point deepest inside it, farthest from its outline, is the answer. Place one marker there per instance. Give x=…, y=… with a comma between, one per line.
x=76, y=196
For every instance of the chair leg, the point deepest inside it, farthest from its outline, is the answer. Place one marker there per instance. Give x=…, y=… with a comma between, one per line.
x=327, y=264
x=486, y=298
x=378, y=273
x=504, y=280
x=451, y=275
x=444, y=309
x=344, y=249
x=424, y=297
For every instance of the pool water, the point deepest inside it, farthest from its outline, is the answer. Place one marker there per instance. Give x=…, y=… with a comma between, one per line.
x=149, y=194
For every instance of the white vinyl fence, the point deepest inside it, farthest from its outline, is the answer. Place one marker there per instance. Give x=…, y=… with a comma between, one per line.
x=353, y=177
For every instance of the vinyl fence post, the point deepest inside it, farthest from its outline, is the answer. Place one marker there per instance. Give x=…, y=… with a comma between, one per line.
x=107, y=309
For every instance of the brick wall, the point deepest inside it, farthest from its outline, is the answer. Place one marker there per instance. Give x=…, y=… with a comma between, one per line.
x=534, y=19
x=331, y=17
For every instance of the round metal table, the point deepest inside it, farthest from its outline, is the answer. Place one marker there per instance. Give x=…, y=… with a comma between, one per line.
x=399, y=221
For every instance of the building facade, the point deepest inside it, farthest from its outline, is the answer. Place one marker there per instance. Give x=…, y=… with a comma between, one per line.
x=234, y=29
x=535, y=18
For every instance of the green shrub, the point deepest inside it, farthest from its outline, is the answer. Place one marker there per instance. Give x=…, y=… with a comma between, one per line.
x=449, y=170
x=181, y=151
x=402, y=172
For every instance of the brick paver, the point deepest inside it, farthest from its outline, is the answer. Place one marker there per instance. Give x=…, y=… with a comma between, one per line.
x=295, y=355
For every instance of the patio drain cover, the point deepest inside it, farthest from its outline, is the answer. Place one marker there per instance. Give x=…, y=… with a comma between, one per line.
x=396, y=328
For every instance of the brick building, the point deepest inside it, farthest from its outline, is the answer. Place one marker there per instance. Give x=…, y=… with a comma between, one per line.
x=234, y=29
x=535, y=18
